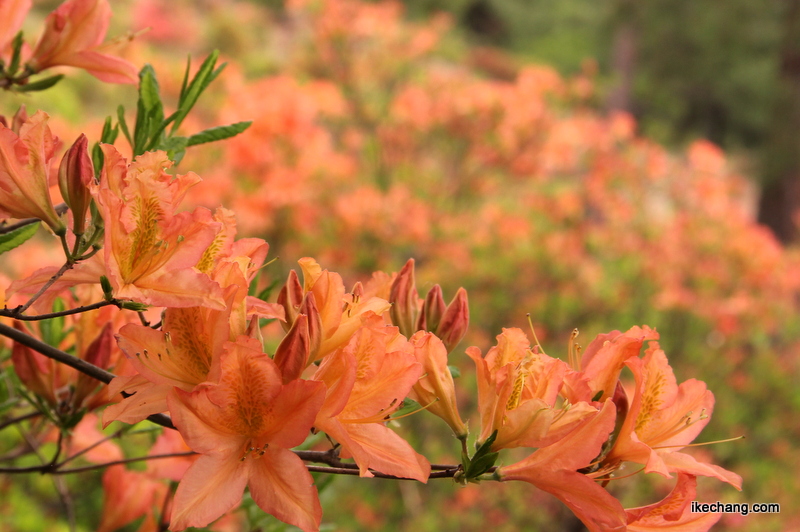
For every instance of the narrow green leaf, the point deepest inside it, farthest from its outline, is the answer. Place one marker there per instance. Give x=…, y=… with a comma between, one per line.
x=214, y=75
x=149, y=92
x=123, y=124
x=195, y=88
x=97, y=159
x=12, y=239
x=157, y=136
x=218, y=133
x=175, y=148
x=149, y=109
x=110, y=134
x=40, y=85
x=185, y=77
x=16, y=47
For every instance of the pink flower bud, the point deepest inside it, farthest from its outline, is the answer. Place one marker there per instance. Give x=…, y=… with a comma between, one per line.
x=292, y=354
x=290, y=298
x=75, y=176
x=309, y=309
x=432, y=310
x=403, y=298
x=455, y=321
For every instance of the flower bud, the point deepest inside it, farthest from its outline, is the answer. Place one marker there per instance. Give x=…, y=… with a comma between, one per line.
x=432, y=310
x=455, y=321
x=309, y=309
x=435, y=389
x=290, y=298
x=292, y=354
x=75, y=175
x=403, y=298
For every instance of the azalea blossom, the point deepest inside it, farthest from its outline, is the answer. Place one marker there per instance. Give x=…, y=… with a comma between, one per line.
x=518, y=389
x=186, y=351
x=367, y=379
x=555, y=469
x=243, y=427
x=435, y=389
x=150, y=252
x=340, y=313
x=73, y=36
x=663, y=418
x=673, y=512
x=25, y=160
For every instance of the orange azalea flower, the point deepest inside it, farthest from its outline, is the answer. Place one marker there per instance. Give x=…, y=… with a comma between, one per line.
x=337, y=325
x=73, y=35
x=554, y=469
x=663, y=418
x=24, y=172
x=436, y=387
x=128, y=495
x=186, y=351
x=244, y=427
x=517, y=392
x=12, y=13
x=149, y=251
x=673, y=512
x=367, y=379
x=150, y=254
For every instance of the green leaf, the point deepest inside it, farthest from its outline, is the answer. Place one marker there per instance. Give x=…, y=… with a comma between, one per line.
x=267, y=292
x=110, y=134
x=597, y=396
x=40, y=85
x=454, y=371
x=218, y=133
x=53, y=330
x=409, y=405
x=123, y=124
x=12, y=239
x=16, y=47
x=481, y=465
x=149, y=110
x=204, y=76
x=175, y=148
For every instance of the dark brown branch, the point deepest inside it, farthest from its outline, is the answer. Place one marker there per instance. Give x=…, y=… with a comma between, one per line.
x=118, y=462
x=16, y=313
x=74, y=362
x=18, y=419
x=56, y=354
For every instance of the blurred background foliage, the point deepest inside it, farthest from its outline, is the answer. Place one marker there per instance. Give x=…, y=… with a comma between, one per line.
x=547, y=156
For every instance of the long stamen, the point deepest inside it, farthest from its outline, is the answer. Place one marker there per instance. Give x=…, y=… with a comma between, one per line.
x=530, y=323
x=699, y=444
x=682, y=424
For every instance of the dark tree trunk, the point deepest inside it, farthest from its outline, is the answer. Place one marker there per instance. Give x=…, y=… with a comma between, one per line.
x=780, y=196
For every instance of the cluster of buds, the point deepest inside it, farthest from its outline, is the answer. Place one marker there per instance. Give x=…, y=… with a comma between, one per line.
x=411, y=314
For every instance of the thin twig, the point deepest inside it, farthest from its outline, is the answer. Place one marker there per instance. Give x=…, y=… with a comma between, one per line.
x=18, y=419
x=17, y=312
x=74, y=362
x=56, y=354
x=61, y=271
